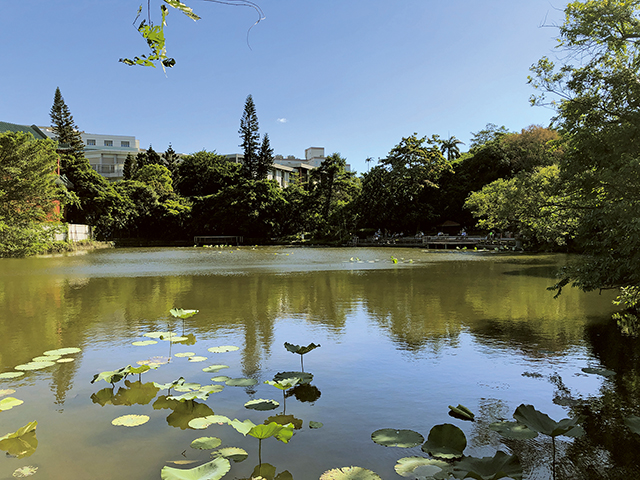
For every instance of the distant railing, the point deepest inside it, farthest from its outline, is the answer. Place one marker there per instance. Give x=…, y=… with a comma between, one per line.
x=217, y=240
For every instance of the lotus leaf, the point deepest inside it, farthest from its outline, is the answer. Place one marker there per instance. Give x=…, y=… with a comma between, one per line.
x=7, y=391
x=65, y=360
x=233, y=453
x=513, y=430
x=284, y=384
x=303, y=377
x=445, y=441
x=136, y=393
x=46, y=358
x=184, y=354
x=223, y=349
x=264, y=471
x=112, y=376
x=390, y=437
x=420, y=467
x=285, y=420
x=139, y=370
x=241, y=382
x=130, y=420
x=21, y=443
x=206, y=443
x=189, y=396
x=542, y=423
x=313, y=424
x=178, y=339
x=221, y=378
x=9, y=402
x=144, y=343
x=490, y=468
x=197, y=359
x=461, y=412
x=182, y=386
x=63, y=351
x=182, y=412
x=23, y=472
x=213, y=470
x=180, y=313
x=6, y=375
x=161, y=335
x=261, y=404
x=212, y=388
x=633, y=422
x=34, y=365
x=214, y=368
x=201, y=423
x=280, y=432
x=599, y=371
x=242, y=427
x=349, y=473
x=155, y=361
x=299, y=349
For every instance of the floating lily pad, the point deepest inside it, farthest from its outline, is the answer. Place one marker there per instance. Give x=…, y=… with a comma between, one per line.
x=144, y=343
x=177, y=339
x=445, y=441
x=599, y=371
x=232, y=453
x=421, y=467
x=213, y=470
x=349, y=473
x=155, y=361
x=184, y=354
x=63, y=351
x=242, y=427
x=9, y=402
x=201, y=423
x=65, y=360
x=34, y=366
x=313, y=424
x=23, y=472
x=7, y=375
x=223, y=349
x=189, y=396
x=261, y=404
x=489, y=468
x=182, y=386
x=206, y=443
x=197, y=359
x=304, y=377
x=46, y=358
x=7, y=391
x=214, y=368
x=130, y=420
x=241, y=382
x=390, y=437
x=514, y=430
x=161, y=335
x=21, y=443
x=221, y=378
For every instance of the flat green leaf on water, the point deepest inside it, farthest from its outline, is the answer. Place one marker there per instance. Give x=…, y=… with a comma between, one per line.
x=178, y=339
x=144, y=343
x=201, y=423
x=232, y=453
x=21, y=443
x=261, y=404
x=390, y=437
x=7, y=391
x=65, y=360
x=214, y=368
x=303, y=377
x=515, y=430
x=285, y=384
x=9, y=402
x=221, y=378
x=213, y=470
x=46, y=358
x=161, y=335
x=349, y=473
x=189, y=396
x=23, y=472
x=242, y=427
x=28, y=428
x=34, y=366
x=7, y=375
x=184, y=354
x=197, y=359
x=313, y=424
x=490, y=468
x=445, y=441
x=130, y=420
x=63, y=351
x=211, y=388
x=421, y=467
x=223, y=349
x=599, y=371
x=241, y=382
x=206, y=443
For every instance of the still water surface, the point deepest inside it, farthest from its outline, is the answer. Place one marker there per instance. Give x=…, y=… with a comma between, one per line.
x=399, y=343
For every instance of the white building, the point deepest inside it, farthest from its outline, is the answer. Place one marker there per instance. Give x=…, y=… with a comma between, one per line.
x=106, y=153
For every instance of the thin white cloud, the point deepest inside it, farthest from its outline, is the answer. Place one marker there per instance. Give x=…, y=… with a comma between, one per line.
x=282, y=120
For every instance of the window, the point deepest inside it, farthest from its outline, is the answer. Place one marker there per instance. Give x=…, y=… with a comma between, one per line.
x=91, y=142
x=124, y=143
x=108, y=143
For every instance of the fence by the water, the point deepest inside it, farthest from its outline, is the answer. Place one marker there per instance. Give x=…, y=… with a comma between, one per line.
x=217, y=240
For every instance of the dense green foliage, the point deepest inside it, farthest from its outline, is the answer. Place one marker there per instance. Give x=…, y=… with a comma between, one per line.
x=65, y=130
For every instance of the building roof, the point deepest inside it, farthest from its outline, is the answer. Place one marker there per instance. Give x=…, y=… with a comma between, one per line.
x=14, y=127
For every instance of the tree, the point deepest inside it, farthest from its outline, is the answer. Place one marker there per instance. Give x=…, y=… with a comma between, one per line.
x=65, y=130
x=265, y=158
x=205, y=173
x=250, y=138
x=129, y=167
x=158, y=177
x=597, y=101
x=170, y=159
x=28, y=192
x=450, y=148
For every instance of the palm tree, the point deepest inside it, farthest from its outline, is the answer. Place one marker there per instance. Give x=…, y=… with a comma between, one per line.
x=450, y=147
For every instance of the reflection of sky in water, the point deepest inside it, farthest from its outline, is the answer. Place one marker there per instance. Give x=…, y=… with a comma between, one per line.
x=399, y=343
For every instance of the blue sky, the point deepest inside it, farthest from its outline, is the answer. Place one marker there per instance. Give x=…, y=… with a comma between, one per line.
x=352, y=76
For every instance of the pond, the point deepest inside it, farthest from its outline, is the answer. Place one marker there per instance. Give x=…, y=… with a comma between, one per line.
x=403, y=334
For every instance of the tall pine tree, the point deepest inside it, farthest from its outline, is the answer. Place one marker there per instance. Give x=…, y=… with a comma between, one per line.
x=265, y=158
x=250, y=138
x=65, y=130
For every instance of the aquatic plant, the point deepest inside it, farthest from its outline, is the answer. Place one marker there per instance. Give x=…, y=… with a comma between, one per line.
x=183, y=314
x=213, y=470
x=461, y=412
x=282, y=433
x=284, y=385
x=21, y=443
x=300, y=350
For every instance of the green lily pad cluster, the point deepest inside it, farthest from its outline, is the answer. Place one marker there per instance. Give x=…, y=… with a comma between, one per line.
x=47, y=359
